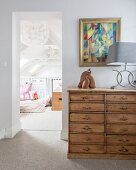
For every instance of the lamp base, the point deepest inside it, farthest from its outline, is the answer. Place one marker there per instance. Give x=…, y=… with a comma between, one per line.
x=131, y=79
x=123, y=88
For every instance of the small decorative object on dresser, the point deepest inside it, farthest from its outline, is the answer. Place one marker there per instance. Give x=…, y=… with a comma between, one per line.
x=102, y=123
x=86, y=80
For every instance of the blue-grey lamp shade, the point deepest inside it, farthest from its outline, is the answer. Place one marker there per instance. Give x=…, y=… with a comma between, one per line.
x=122, y=53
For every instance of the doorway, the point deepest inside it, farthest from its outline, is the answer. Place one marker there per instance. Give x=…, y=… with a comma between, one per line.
x=39, y=49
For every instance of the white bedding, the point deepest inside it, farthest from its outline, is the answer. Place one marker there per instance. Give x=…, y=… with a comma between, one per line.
x=31, y=106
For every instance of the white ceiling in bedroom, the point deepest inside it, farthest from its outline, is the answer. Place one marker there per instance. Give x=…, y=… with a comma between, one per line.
x=41, y=45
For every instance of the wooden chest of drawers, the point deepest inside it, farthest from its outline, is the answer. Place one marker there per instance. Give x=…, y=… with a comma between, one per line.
x=102, y=123
x=56, y=101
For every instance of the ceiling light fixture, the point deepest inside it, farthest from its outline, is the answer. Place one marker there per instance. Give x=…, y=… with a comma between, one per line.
x=34, y=33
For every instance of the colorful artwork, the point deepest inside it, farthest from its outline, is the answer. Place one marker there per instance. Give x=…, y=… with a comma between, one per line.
x=96, y=36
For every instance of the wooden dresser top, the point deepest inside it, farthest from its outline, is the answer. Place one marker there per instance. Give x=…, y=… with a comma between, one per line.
x=101, y=90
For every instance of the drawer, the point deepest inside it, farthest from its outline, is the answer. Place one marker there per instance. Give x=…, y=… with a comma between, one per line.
x=56, y=102
x=121, y=108
x=86, y=138
x=56, y=105
x=121, y=118
x=121, y=98
x=86, y=148
x=57, y=95
x=86, y=128
x=86, y=97
x=87, y=107
x=123, y=129
x=90, y=118
x=121, y=140
x=121, y=149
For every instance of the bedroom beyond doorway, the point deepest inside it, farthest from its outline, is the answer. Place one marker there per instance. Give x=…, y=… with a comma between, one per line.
x=40, y=70
x=40, y=113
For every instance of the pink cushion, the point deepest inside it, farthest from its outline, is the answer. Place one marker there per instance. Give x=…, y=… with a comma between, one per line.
x=33, y=95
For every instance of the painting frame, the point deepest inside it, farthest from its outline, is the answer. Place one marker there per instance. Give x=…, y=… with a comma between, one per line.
x=85, y=54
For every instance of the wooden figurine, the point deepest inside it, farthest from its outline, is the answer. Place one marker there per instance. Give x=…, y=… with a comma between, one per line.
x=86, y=80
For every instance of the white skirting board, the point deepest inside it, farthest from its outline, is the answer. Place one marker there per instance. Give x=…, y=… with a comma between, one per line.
x=64, y=135
x=6, y=133
x=2, y=133
x=10, y=132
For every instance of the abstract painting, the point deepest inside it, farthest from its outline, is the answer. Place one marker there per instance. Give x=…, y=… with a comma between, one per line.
x=96, y=36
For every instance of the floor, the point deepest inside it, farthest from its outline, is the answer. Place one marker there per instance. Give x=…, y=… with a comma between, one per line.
x=48, y=120
x=38, y=147
x=43, y=150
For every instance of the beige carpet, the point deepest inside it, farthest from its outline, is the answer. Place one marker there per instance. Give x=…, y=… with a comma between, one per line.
x=45, y=151
x=48, y=120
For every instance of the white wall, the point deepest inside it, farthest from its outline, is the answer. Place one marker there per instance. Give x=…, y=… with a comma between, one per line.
x=5, y=71
x=72, y=10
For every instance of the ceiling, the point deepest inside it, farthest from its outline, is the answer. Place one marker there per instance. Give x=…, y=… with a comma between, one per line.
x=41, y=44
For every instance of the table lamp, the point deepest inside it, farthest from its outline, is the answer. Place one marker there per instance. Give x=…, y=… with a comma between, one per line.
x=123, y=53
